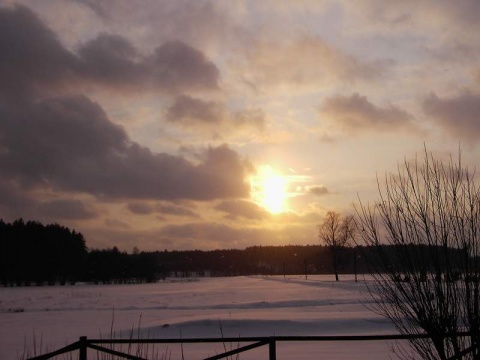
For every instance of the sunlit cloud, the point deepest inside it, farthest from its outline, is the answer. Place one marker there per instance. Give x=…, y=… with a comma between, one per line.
x=356, y=113
x=315, y=63
x=234, y=209
x=151, y=126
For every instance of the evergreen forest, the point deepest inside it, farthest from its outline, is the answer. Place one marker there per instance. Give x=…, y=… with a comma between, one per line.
x=35, y=254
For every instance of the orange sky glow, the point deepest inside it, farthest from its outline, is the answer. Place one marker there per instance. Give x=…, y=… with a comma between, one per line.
x=224, y=124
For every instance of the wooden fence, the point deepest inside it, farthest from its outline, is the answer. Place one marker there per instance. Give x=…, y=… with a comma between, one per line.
x=83, y=344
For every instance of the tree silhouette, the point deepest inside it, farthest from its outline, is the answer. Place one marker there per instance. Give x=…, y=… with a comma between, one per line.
x=336, y=232
x=429, y=279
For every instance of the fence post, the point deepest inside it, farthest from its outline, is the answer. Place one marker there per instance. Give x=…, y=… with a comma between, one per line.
x=83, y=348
x=272, y=350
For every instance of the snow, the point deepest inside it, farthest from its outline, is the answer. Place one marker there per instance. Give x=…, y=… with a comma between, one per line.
x=203, y=307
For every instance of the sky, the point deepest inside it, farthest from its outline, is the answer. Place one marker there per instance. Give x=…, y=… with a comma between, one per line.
x=225, y=124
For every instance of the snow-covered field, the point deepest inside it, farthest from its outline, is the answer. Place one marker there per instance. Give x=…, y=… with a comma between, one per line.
x=239, y=306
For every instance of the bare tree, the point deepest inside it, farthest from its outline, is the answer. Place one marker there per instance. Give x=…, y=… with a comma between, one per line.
x=336, y=232
x=428, y=279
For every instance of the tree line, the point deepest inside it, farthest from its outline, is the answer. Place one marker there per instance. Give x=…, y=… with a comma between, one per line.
x=35, y=254
x=32, y=253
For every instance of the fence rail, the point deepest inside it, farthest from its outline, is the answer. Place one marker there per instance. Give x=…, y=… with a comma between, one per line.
x=83, y=344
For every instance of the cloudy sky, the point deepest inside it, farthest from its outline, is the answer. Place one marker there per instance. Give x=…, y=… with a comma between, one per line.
x=224, y=124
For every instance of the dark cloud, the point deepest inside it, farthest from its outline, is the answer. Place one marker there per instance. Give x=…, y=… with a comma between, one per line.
x=35, y=63
x=169, y=209
x=70, y=143
x=14, y=201
x=57, y=139
x=458, y=116
x=195, y=22
x=356, y=113
x=192, y=112
x=176, y=66
x=32, y=59
x=140, y=208
x=112, y=60
x=318, y=190
x=189, y=110
x=241, y=208
x=223, y=172
x=173, y=68
x=98, y=7
x=66, y=210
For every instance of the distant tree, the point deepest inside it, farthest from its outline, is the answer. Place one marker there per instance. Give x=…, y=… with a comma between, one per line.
x=429, y=279
x=336, y=232
x=32, y=253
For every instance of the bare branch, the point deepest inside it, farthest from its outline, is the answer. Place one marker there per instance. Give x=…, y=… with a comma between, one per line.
x=423, y=234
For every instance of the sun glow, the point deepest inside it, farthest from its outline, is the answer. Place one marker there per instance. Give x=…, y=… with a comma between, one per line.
x=269, y=189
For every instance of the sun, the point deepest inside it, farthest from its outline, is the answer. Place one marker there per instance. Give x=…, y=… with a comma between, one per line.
x=269, y=189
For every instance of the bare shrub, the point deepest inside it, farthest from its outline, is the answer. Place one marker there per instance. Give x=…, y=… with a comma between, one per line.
x=423, y=237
